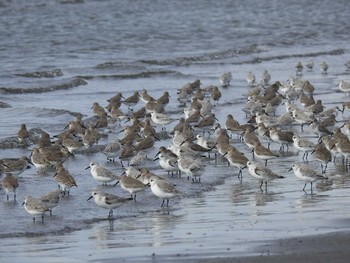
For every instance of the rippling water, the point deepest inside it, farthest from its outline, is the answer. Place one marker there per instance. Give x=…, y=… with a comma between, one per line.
x=57, y=58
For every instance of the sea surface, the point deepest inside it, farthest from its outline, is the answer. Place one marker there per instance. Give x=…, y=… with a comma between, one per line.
x=58, y=57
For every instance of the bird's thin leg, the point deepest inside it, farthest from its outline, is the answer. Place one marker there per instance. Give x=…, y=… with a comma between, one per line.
x=304, y=188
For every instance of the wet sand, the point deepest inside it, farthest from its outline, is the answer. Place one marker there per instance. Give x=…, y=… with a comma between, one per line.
x=334, y=247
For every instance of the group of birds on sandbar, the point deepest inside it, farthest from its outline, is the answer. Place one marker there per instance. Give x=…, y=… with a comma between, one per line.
x=193, y=134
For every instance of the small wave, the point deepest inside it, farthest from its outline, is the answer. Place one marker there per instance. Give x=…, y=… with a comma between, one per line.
x=12, y=142
x=256, y=60
x=71, y=1
x=205, y=57
x=4, y=105
x=62, y=231
x=42, y=74
x=145, y=74
x=62, y=86
x=48, y=112
x=119, y=65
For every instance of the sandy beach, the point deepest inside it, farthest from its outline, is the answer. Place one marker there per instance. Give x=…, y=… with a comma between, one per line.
x=60, y=58
x=332, y=247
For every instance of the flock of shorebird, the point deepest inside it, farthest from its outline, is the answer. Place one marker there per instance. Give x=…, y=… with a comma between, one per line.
x=189, y=139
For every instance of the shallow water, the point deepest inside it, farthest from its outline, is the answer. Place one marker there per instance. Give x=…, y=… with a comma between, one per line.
x=161, y=47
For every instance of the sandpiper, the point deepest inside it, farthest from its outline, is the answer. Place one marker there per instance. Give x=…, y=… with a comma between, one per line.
x=51, y=199
x=237, y=159
x=112, y=150
x=132, y=100
x=306, y=174
x=250, y=79
x=225, y=79
x=163, y=189
x=161, y=119
x=216, y=95
x=262, y=173
x=304, y=145
x=299, y=68
x=324, y=67
x=130, y=184
x=16, y=166
x=264, y=153
x=323, y=155
x=10, y=184
x=108, y=201
x=23, y=134
x=34, y=207
x=344, y=87
x=309, y=65
x=64, y=179
x=101, y=173
x=265, y=78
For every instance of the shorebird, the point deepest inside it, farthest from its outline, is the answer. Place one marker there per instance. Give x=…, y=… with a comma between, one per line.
x=164, y=99
x=51, y=199
x=145, y=97
x=35, y=207
x=190, y=166
x=161, y=119
x=301, y=118
x=207, y=122
x=112, y=150
x=323, y=155
x=163, y=189
x=10, y=184
x=215, y=95
x=233, y=125
x=168, y=163
x=114, y=101
x=264, y=153
x=306, y=174
x=139, y=159
x=101, y=173
x=237, y=159
x=303, y=145
x=127, y=152
x=225, y=79
x=145, y=143
x=324, y=67
x=98, y=109
x=299, y=68
x=283, y=138
x=308, y=87
x=262, y=173
x=130, y=184
x=265, y=78
x=329, y=143
x=344, y=87
x=16, y=166
x=250, y=139
x=250, y=79
x=309, y=65
x=64, y=179
x=108, y=201
x=23, y=134
x=193, y=117
x=132, y=100
x=71, y=143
